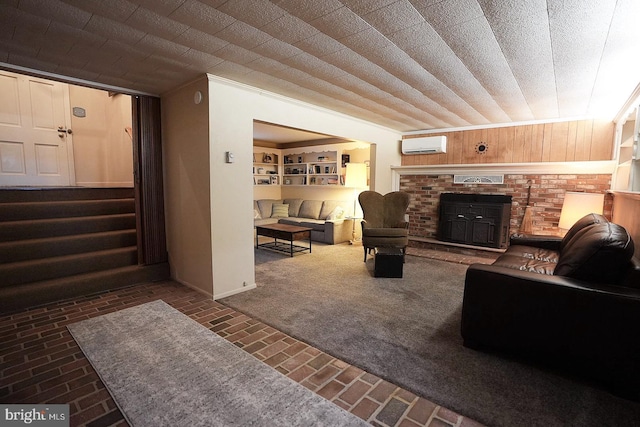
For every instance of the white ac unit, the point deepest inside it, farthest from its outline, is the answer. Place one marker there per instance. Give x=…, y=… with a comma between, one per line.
x=425, y=145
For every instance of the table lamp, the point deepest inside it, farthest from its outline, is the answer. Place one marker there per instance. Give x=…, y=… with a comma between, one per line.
x=356, y=178
x=577, y=205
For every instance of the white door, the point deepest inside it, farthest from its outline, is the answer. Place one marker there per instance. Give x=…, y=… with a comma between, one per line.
x=35, y=149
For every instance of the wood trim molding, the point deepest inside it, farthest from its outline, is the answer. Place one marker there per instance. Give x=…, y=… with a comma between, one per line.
x=544, y=168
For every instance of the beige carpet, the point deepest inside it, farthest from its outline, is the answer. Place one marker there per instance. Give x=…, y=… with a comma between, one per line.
x=408, y=332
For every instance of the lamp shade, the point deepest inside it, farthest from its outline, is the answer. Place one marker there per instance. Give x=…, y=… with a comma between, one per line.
x=356, y=175
x=577, y=205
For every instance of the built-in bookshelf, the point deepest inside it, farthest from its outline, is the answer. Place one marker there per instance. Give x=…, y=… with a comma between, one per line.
x=266, y=169
x=319, y=168
x=627, y=176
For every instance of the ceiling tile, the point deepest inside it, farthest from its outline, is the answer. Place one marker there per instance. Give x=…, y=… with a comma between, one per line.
x=394, y=17
x=618, y=45
x=199, y=59
x=243, y=35
x=202, y=17
x=63, y=33
x=266, y=65
x=363, y=7
x=202, y=41
x=237, y=54
x=320, y=45
x=340, y=23
x=158, y=25
x=256, y=13
x=118, y=10
x=58, y=11
x=289, y=29
x=158, y=46
x=161, y=7
x=400, y=63
x=277, y=50
x=114, y=30
x=308, y=10
x=579, y=32
x=19, y=18
x=531, y=40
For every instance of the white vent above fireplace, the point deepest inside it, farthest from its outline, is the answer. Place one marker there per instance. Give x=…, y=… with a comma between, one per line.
x=478, y=179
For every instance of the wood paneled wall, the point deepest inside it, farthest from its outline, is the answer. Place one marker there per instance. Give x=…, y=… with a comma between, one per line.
x=584, y=140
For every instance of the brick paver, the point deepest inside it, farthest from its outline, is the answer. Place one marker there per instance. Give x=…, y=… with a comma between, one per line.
x=41, y=363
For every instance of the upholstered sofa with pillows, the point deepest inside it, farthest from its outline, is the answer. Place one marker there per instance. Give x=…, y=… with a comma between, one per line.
x=571, y=303
x=326, y=218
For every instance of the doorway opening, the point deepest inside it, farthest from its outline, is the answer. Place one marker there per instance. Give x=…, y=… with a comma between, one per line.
x=54, y=134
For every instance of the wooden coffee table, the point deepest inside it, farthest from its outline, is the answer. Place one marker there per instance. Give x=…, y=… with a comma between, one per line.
x=287, y=232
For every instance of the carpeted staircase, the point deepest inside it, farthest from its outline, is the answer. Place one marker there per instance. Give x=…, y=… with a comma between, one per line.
x=58, y=243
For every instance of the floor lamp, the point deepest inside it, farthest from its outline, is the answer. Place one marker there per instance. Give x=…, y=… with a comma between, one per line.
x=356, y=178
x=577, y=205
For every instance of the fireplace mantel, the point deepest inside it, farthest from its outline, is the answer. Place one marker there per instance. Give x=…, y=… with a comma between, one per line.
x=570, y=168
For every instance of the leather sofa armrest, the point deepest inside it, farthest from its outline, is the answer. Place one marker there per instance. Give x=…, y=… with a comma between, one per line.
x=538, y=241
x=588, y=328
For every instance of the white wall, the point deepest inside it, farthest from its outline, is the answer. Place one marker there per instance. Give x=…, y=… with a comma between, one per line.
x=232, y=109
x=103, y=151
x=185, y=144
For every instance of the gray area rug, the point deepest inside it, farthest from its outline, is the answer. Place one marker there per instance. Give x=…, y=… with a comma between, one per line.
x=407, y=331
x=164, y=369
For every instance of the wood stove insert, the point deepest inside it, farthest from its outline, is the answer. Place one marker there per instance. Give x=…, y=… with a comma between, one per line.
x=474, y=219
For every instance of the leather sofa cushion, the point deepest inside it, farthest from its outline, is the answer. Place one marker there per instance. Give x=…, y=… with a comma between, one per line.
x=516, y=262
x=310, y=209
x=597, y=253
x=585, y=221
x=531, y=252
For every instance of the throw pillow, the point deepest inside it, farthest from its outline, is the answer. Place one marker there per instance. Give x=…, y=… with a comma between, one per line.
x=256, y=214
x=337, y=213
x=280, y=211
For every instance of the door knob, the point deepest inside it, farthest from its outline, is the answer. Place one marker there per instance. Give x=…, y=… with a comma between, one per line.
x=63, y=130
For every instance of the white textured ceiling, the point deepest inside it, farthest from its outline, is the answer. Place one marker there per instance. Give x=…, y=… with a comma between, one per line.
x=406, y=64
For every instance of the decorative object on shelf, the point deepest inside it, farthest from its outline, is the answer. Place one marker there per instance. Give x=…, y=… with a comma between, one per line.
x=482, y=147
x=267, y=158
x=345, y=159
x=577, y=205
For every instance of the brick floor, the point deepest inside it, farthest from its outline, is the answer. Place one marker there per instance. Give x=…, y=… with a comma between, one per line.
x=41, y=363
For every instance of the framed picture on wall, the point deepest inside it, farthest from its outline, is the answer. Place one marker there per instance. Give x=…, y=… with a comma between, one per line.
x=345, y=160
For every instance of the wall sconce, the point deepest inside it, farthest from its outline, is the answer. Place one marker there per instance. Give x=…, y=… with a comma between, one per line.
x=577, y=205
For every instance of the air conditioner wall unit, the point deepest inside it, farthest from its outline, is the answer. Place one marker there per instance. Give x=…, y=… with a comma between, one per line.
x=425, y=145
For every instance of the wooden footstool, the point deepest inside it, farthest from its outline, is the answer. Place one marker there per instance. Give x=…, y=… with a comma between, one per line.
x=388, y=262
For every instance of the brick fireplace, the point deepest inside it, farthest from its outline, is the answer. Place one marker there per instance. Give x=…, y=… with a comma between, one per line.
x=547, y=195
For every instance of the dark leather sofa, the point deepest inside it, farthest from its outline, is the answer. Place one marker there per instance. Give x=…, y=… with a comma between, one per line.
x=572, y=304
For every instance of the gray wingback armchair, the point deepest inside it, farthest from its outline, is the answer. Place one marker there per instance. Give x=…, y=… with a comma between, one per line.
x=384, y=224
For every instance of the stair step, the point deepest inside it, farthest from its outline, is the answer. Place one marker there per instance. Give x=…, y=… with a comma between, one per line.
x=75, y=208
x=22, y=250
x=17, y=298
x=40, y=228
x=67, y=265
x=52, y=194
